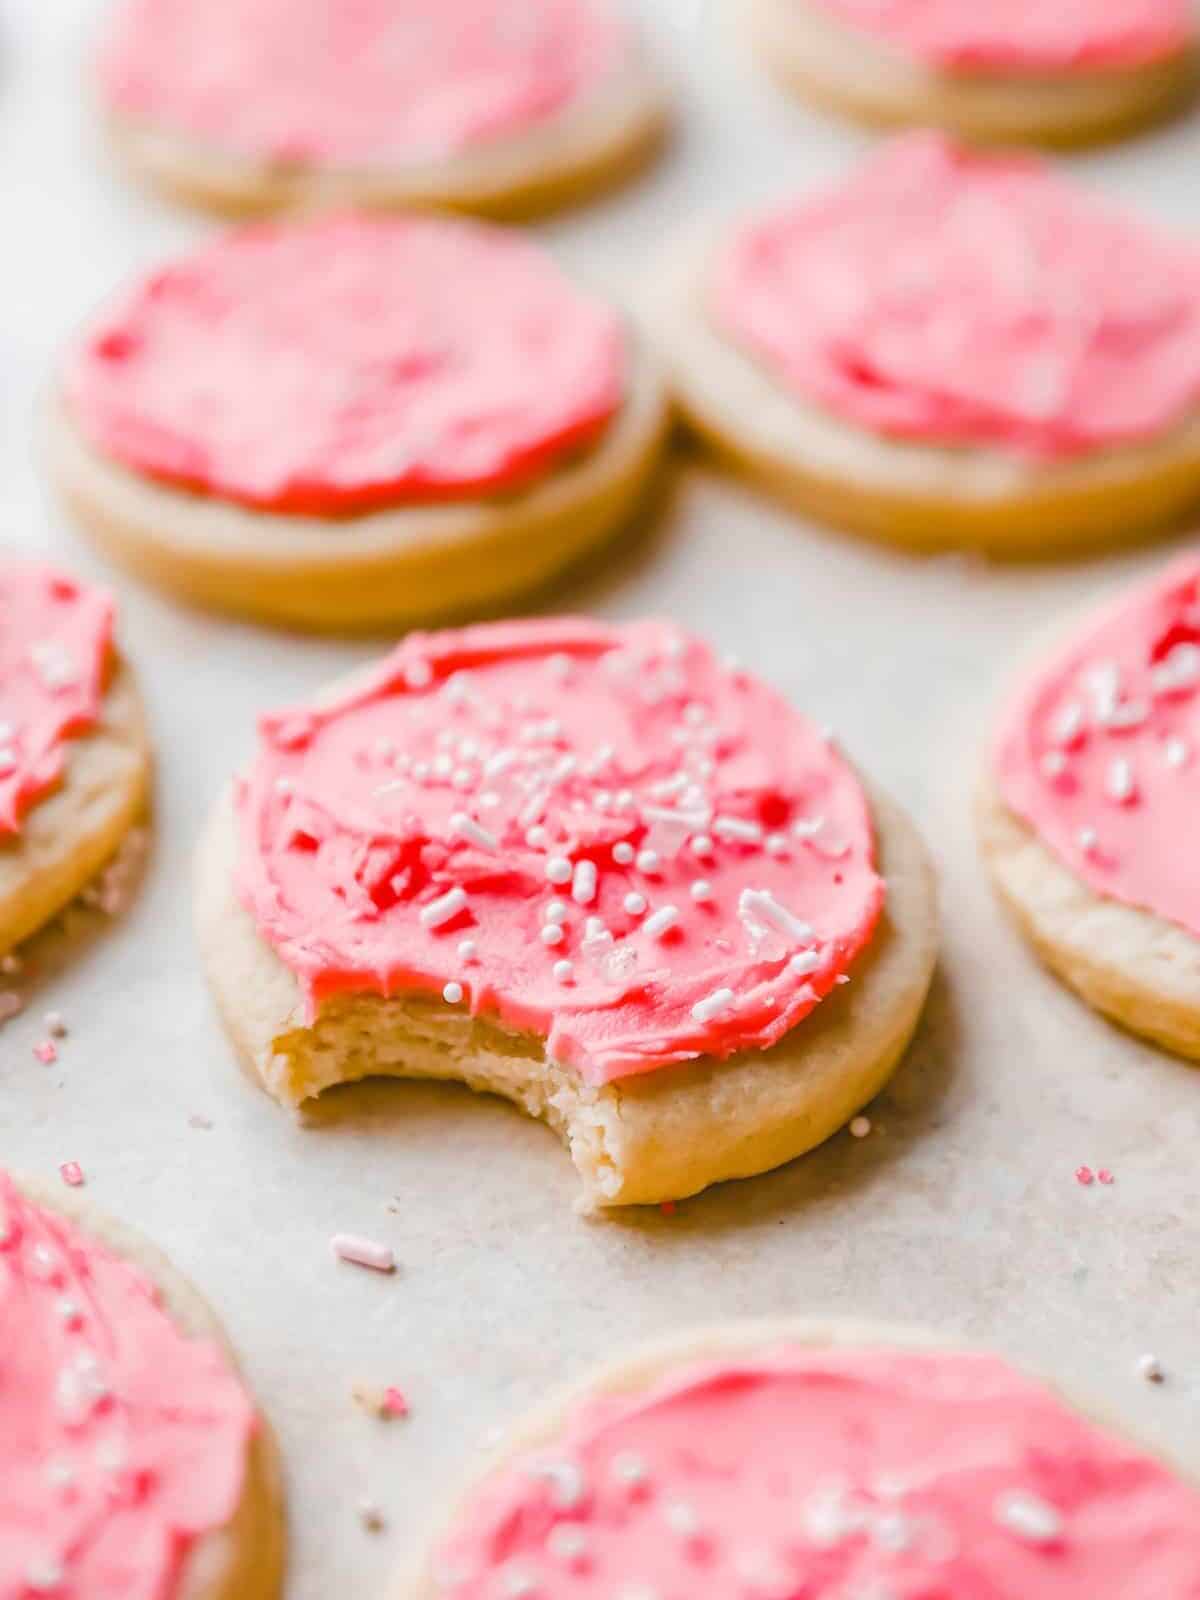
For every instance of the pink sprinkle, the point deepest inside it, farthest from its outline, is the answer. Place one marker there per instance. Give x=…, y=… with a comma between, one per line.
x=1105, y=1176
x=72, y=1173
x=667, y=1208
x=46, y=1052
x=1084, y=1175
x=394, y=1402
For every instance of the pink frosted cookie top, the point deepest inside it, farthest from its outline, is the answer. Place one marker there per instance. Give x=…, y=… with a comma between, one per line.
x=376, y=83
x=1022, y=35
x=55, y=644
x=830, y=1475
x=592, y=832
x=1100, y=751
x=336, y=366
x=944, y=296
x=121, y=1441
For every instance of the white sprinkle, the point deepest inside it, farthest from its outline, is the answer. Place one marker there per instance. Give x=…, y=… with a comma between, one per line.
x=860, y=1127
x=1176, y=753
x=669, y=786
x=682, y=1518
x=564, y=971
x=537, y=837
x=566, y=1480
x=1151, y=1368
x=467, y=828
x=1027, y=1516
x=693, y=817
x=444, y=909
x=629, y=1468
x=1179, y=669
x=583, y=884
x=738, y=828
x=556, y=910
x=702, y=846
x=558, y=869
x=418, y=674
x=807, y=827
x=1068, y=724
x=1131, y=714
x=1119, y=783
x=68, y=1311
x=635, y=904
x=712, y=1005
x=623, y=852
x=517, y=1582
x=8, y=761
x=452, y=993
x=647, y=861
x=1088, y=840
x=559, y=666
x=594, y=928
x=760, y=905
x=804, y=962
x=1054, y=764
x=499, y=763
x=442, y=765
x=776, y=844
x=363, y=1252
x=552, y=933
x=661, y=922
x=702, y=890
x=467, y=950
x=566, y=1542
x=44, y=1577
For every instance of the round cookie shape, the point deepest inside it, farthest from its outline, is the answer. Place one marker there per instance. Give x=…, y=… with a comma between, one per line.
x=1008, y=73
x=350, y=363
x=1089, y=801
x=55, y=645
x=791, y=1458
x=134, y=1465
x=652, y=857
x=1000, y=35
x=583, y=865
x=951, y=347
x=483, y=104
x=74, y=753
x=356, y=419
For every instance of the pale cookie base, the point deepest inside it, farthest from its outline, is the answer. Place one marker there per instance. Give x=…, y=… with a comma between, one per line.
x=243, y=1560
x=642, y=1140
x=849, y=72
x=587, y=148
x=67, y=837
x=921, y=497
x=1131, y=965
x=654, y=1363
x=388, y=568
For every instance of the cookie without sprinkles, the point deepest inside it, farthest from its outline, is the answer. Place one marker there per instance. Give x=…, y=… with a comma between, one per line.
x=605, y=984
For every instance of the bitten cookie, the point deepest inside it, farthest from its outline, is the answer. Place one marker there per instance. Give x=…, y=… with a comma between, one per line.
x=357, y=421
x=829, y=1460
x=1007, y=70
x=500, y=107
x=74, y=754
x=948, y=349
x=585, y=866
x=133, y=1464
x=1088, y=803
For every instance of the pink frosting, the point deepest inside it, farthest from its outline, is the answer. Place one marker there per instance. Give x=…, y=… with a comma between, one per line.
x=1023, y=35
x=1100, y=751
x=951, y=297
x=121, y=1441
x=348, y=363
x=55, y=644
x=373, y=83
x=651, y=856
x=830, y=1475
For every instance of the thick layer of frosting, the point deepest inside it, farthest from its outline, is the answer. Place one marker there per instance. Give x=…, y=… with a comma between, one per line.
x=1100, y=751
x=121, y=1441
x=379, y=83
x=830, y=1475
x=348, y=363
x=951, y=297
x=596, y=833
x=1022, y=35
x=55, y=644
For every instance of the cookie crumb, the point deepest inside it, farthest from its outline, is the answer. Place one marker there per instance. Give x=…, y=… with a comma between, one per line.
x=196, y=1120
x=1106, y=1177
x=371, y=1516
x=46, y=1052
x=11, y=964
x=71, y=1173
x=860, y=1127
x=1151, y=1368
x=55, y=1026
x=395, y=1402
x=1084, y=1176
x=668, y=1208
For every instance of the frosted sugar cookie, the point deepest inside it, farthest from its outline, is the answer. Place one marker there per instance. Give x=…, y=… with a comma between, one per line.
x=949, y=348
x=74, y=757
x=495, y=106
x=1010, y=70
x=1088, y=805
x=585, y=866
x=823, y=1460
x=357, y=421
x=133, y=1464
